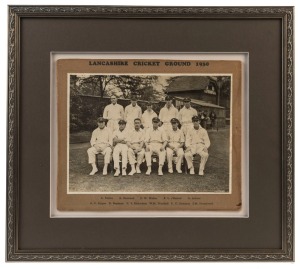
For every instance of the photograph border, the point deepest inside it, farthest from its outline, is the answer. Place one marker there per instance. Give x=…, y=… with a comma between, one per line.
x=149, y=192
x=230, y=202
x=286, y=14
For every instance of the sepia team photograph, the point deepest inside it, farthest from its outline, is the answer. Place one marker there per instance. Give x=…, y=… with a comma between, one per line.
x=149, y=133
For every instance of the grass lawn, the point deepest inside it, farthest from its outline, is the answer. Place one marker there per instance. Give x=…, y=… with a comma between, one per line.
x=216, y=178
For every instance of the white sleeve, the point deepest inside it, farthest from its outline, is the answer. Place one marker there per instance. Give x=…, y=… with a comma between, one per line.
x=176, y=114
x=161, y=114
x=206, y=140
x=93, y=138
x=188, y=139
x=121, y=112
x=110, y=138
x=180, y=116
x=126, y=112
x=105, y=113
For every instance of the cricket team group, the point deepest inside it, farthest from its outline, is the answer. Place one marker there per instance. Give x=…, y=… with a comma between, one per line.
x=135, y=136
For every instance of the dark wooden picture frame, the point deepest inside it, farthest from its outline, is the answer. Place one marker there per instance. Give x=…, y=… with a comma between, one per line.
x=268, y=233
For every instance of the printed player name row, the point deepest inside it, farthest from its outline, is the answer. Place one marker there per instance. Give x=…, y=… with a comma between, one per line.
x=149, y=201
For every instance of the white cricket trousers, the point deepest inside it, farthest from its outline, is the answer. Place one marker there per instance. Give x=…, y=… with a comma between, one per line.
x=196, y=149
x=113, y=125
x=139, y=156
x=185, y=127
x=129, y=126
x=167, y=127
x=179, y=154
x=120, y=149
x=96, y=149
x=155, y=148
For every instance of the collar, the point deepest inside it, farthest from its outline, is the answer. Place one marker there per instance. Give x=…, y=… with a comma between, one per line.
x=134, y=106
x=170, y=107
x=197, y=129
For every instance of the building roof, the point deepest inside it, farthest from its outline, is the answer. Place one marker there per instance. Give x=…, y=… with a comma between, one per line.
x=200, y=102
x=188, y=83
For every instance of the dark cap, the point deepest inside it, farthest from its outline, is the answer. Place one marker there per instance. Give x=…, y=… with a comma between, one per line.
x=155, y=119
x=174, y=120
x=122, y=122
x=101, y=119
x=149, y=103
x=133, y=97
x=168, y=98
x=186, y=100
x=195, y=118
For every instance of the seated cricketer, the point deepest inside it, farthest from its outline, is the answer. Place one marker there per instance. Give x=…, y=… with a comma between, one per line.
x=135, y=143
x=156, y=141
x=175, y=145
x=101, y=142
x=120, y=147
x=197, y=142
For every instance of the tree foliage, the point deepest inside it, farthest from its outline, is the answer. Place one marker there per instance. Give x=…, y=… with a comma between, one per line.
x=121, y=85
x=222, y=84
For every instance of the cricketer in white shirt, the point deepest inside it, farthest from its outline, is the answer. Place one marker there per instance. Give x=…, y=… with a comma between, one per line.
x=166, y=114
x=113, y=113
x=101, y=142
x=175, y=145
x=147, y=117
x=156, y=141
x=120, y=148
x=132, y=112
x=185, y=117
x=197, y=142
x=135, y=143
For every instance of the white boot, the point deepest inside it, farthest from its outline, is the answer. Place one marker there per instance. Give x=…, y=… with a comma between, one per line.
x=117, y=173
x=178, y=168
x=105, y=170
x=170, y=170
x=94, y=170
x=160, y=173
x=132, y=172
x=179, y=171
x=138, y=170
x=192, y=171
x=124, y=171
x=201, y=173
x=148, y=171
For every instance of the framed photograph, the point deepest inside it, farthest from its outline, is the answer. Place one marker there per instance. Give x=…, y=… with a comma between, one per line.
x=127, y=94
x=168, y=126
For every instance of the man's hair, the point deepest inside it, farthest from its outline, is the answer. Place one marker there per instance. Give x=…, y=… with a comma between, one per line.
x=100, y=119
x=137, y=119
x=113, y=96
